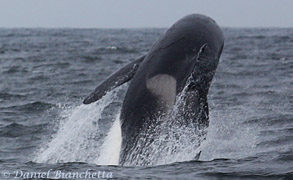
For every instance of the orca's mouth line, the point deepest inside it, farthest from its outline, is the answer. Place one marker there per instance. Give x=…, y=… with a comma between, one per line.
x=171, y=44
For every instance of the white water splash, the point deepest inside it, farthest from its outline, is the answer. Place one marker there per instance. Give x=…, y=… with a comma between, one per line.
x=173, y=139
x=78, y=138
x=110, y=150
x=228, y=137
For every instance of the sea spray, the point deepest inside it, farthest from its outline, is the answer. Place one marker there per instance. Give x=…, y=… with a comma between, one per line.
x=173, y=138
x=228, y=137
x=110, y=150
x=81, y=139
x=78, y=138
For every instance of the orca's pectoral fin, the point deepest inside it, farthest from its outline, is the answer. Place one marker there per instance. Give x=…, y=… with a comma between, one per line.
x=205, y=53
x=118, y=78
x=207, y=61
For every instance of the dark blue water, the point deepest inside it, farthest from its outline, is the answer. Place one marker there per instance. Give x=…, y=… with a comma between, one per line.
x=46, y=73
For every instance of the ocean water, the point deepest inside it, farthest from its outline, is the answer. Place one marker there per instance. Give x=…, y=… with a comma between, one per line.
x=46, y=73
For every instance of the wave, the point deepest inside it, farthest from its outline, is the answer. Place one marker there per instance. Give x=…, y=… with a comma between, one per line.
x=31, y=107
x=18, y=130
x=8, y=96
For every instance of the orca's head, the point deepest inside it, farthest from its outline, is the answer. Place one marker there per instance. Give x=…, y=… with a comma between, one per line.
x=198, y=42
x=191, y=47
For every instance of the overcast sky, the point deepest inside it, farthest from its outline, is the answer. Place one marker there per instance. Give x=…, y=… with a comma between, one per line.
x=142, y=13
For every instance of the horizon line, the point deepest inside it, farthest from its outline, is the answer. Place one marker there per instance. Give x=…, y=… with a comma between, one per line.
x=146, y=27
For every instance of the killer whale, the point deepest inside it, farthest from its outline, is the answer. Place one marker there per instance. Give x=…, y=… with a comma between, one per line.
x=186, y=55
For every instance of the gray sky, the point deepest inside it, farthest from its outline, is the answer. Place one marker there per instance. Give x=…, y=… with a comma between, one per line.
x=142, y=13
